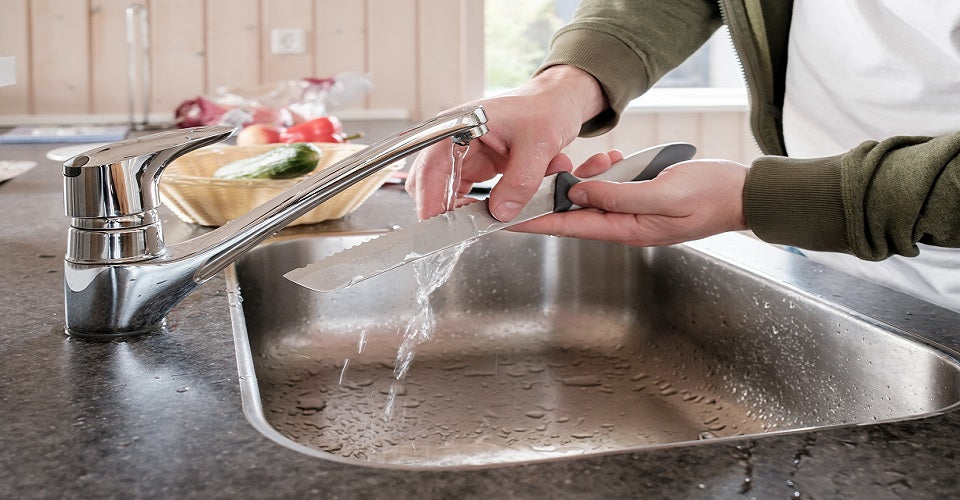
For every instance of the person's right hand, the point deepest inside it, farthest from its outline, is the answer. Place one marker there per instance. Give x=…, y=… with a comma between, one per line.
x=528, y=128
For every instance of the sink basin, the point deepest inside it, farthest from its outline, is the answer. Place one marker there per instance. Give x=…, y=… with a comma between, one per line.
x=545, y=348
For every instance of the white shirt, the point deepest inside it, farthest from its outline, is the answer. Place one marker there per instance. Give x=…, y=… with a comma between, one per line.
x=870, y=69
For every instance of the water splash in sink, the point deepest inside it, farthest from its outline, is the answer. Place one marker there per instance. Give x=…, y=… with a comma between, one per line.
x=431, y=272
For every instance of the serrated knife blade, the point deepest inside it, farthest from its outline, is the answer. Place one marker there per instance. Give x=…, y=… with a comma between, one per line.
x=394, y=249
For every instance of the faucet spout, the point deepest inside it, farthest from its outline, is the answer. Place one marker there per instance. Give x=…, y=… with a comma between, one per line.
x=119, y=277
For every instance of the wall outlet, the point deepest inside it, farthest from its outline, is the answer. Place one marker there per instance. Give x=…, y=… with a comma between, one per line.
x=288, y=41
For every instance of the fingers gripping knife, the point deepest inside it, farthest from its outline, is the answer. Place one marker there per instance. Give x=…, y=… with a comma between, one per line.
x=427, y=237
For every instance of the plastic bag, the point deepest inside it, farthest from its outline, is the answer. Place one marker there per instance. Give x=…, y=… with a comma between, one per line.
x=280, y=105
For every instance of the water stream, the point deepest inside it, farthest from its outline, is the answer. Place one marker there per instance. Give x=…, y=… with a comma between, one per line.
x=431, y=273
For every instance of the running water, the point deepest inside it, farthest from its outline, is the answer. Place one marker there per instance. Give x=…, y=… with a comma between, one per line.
x=431, y=273
x=457, y=153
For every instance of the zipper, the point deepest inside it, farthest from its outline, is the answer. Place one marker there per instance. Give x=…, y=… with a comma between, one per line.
x=747, y=57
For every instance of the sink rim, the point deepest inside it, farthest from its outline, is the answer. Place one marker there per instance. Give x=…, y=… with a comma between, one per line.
x=718, y=247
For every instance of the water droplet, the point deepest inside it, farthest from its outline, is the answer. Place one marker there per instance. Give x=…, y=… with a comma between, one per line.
x=362, y=341
x=343, y=371
x=581, y=381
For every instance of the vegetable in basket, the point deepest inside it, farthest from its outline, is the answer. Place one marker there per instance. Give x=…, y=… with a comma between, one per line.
x=282, y=162
x=323, y=129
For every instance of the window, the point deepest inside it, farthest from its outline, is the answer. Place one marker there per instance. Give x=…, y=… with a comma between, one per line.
x=517, y=36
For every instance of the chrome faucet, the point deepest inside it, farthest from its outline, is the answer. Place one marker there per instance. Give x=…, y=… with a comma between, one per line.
x=119, y=277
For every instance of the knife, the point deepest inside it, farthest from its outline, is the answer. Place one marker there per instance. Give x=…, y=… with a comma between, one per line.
x=391, y=250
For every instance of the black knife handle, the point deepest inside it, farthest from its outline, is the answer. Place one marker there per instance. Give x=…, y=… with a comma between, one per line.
x=671, y=155
x=565, y=180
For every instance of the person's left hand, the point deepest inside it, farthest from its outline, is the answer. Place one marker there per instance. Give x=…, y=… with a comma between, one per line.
x=687, y=201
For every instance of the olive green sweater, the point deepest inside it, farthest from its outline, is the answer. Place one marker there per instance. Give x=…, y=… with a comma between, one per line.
x=875, y=200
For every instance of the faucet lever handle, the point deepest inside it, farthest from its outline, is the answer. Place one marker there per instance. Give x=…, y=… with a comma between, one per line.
x=120, y=179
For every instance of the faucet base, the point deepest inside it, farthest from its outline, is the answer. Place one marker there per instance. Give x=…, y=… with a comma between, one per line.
x=108, y=336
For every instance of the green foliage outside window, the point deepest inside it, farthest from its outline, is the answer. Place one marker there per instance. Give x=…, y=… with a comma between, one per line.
x=517, y=35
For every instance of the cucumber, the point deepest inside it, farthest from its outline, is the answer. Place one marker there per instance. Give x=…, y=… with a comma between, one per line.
x=283, y=162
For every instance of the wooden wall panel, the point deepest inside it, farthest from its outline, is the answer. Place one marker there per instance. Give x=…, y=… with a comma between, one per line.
x=15, y=41
x=282, y=15
x=60, y=56
x=177, y=41
x=422, y=55
x=392, y=54
x=635, y=131
x=471, y=57
x=674, y=127
x=108, y=52
x=720, y=136
x=440, y=51
x=340, y=41
x=233, y=49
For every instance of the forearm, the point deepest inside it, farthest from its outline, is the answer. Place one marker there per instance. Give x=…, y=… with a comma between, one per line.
x=874, y=201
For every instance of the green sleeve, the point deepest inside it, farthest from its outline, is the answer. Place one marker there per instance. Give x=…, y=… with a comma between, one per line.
x=627, y=45
x=877, y=200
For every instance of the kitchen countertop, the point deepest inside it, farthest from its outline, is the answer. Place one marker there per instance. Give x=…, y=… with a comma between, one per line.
x=160, y=416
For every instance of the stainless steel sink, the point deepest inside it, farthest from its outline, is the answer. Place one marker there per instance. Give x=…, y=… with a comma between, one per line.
x=546, y=348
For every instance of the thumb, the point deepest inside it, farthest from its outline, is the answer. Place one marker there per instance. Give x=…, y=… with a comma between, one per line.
x=525, y=169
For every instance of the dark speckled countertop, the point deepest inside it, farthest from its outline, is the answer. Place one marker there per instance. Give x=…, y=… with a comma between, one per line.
x=160, y=416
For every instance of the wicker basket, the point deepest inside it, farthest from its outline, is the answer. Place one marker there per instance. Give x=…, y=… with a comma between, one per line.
x=187, y=187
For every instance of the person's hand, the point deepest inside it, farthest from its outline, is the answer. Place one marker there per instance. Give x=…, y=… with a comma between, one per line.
x=687, y=201
x=528, y=128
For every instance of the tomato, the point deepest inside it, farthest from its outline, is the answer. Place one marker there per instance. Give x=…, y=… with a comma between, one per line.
x=323, y=129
